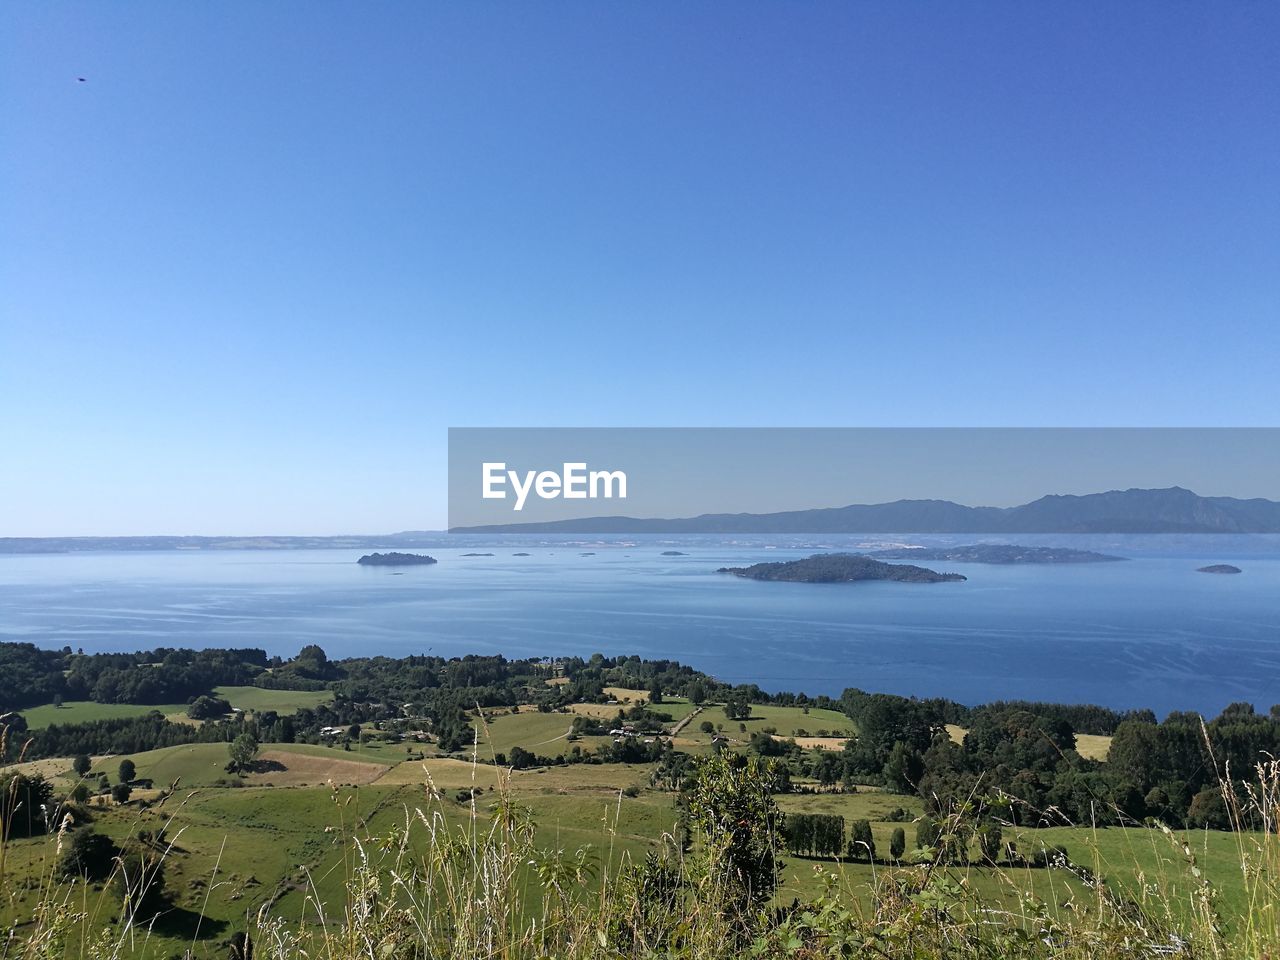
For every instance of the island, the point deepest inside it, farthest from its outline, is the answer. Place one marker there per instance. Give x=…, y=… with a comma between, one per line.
x=839, y=568
x=1002, y=553
x=477, y=554
x=395, y=560
x=520, y=554
x=1219, y=568
x=673, y=553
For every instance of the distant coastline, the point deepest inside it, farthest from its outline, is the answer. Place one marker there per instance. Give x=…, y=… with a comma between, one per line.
x=999, y=553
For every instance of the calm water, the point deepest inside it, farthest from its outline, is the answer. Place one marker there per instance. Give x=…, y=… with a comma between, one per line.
x=1147, y=632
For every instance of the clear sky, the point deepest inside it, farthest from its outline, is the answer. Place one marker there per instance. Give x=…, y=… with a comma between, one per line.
x=265, y=254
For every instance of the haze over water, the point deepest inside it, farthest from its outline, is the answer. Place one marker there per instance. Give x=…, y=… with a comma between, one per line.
x=1150, y=632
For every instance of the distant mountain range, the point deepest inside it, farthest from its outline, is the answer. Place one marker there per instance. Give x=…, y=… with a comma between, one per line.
x=1169, y=510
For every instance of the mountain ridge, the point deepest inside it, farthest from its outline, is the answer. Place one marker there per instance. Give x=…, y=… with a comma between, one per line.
x=1135, y=510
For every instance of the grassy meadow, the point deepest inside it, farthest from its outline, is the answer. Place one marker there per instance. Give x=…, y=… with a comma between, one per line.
x=291, y=838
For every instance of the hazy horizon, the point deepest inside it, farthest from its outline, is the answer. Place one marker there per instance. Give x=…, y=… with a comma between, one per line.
x=444, y=531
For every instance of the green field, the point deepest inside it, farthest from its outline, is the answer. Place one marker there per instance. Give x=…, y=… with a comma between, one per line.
x=542, y=733
x=84, y=711
x=204, y=764
x=283, y=702
x=787, y=721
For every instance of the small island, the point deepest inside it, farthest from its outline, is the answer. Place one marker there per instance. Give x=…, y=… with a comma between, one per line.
x=839, y=568
x=673, y=553
x=520, y=554
x=395, y=560
x=1219, y=568
x=477, y=554
x=999, y=553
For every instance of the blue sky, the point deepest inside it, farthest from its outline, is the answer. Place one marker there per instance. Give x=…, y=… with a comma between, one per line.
x=266, y=254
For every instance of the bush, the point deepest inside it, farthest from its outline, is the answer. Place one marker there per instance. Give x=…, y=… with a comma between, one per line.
x=208, y=708
x=90, y=855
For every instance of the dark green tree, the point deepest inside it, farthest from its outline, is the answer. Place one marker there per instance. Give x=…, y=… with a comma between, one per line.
x=862, y=845
x=903, y=768
x=897, y=843
x=521, y=759
x=127, y=771
x=89, y=854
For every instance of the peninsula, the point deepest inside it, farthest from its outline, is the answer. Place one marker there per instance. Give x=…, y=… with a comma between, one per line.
x=839, y=568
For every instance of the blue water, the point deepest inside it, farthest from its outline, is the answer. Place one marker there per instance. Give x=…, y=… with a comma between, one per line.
x=1148, y=632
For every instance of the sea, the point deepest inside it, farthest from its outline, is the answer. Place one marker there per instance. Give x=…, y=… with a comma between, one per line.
x=1147, y=632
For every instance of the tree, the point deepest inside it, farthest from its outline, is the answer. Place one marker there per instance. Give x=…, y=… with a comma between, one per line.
x=733, y=809
x=706, y=726
x=127, y=771
x=23, y=803
x=521, y=759
x=57, y=701
x=121, y=792
x=242, y=749
x=208, y=708
x=697, y=693
x=928, y=832
x=311, y=662
x=1209, y=810
x=82, y=765
x=89, y=854
x=903, y=768
x=827, y=767
x=862, y=845
x=898, y=843
x=655, y=692
x=814, y=834
x=80, y=793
